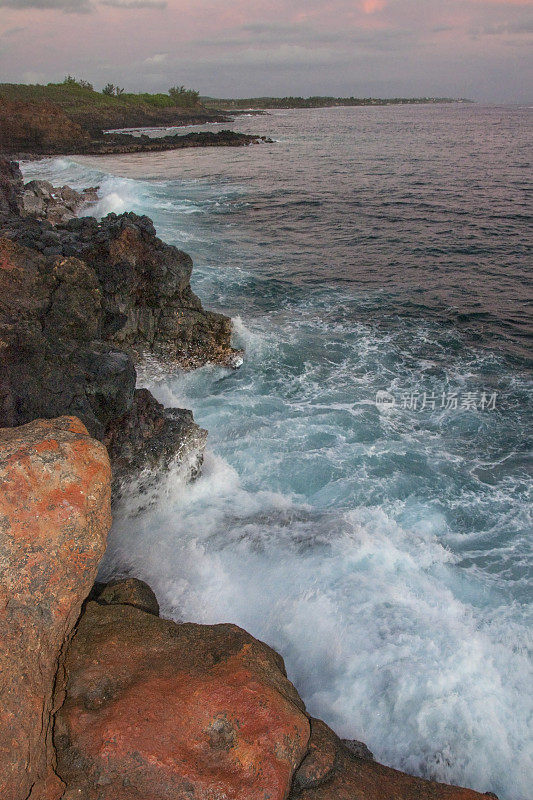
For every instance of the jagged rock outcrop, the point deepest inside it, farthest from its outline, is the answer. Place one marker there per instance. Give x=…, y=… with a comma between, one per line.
x=157, y=710
x=149, y=437
x=149, y=304
x=57, y=205
x=81, y=302
x=52, y=360
x=39, y=198
x=54, y=520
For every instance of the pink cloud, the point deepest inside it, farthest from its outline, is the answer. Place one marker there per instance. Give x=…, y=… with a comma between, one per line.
x=123, y=44
x=371, y=6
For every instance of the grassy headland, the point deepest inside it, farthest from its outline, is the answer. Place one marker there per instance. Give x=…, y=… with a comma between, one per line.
x=113, y=108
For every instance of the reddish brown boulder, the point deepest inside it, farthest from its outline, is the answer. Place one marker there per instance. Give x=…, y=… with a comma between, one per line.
x=331, y=771
x=54, y=518
x=158, y=710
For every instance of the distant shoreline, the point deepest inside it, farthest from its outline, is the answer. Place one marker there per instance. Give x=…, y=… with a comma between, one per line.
x=264, y=103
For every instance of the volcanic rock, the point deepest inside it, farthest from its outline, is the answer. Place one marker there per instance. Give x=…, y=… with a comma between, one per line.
x=158, y=710
x=150, y=437
x=149, y=304
x=57, y=205
x=54, y=519
x=52, y=361
x=331, y=770
x=130, y=592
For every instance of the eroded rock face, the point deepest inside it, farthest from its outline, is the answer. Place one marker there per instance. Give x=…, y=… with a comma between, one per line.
x=10, y=187
x=159, y=710
x=59, y=353
x=54, y=518
x=38, y=128
x=334, y=771
x=150, y=437
x=52, y=360
x=147, y=304
x=147, y=297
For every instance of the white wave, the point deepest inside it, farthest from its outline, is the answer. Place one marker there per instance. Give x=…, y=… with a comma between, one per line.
x=383, y=555
x=366, y=613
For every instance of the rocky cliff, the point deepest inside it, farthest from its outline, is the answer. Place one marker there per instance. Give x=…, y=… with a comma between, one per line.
x=81, y=303
x=38, y=128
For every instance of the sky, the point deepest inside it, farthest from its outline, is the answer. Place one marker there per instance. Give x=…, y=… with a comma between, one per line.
x=478, y=49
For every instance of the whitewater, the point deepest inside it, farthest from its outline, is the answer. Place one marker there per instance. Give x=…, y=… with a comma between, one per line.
x=385, y=551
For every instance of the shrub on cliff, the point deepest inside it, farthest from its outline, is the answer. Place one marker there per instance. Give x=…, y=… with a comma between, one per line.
x=183, y=97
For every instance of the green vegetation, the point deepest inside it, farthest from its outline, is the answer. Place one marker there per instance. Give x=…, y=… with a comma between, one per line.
x=112, y=91
x=316, y=102
x=74, y=94
x=184, y=97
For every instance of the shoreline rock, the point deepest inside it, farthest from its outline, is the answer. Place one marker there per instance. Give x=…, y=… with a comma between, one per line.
x=58, y=206
x=163, y=709
x=54, y=518
x=81, y=302
x=201, y=712
x=30, y=130
x=149, y=438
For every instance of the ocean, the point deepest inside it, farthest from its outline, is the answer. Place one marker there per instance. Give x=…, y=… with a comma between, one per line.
x=365, y=504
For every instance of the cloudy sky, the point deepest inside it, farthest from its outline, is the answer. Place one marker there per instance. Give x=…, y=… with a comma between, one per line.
x=229, y=48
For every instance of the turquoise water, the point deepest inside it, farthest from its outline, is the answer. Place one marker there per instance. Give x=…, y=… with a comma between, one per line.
x=385, y=551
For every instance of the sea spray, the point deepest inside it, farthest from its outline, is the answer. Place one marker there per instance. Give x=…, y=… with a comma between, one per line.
x=384, y=551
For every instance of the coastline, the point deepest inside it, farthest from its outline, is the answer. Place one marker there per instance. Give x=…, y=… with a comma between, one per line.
x=30, y=130
x=322, y=760
x=281, y=649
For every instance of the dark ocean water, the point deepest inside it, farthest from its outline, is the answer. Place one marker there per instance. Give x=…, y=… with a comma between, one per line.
x=385, y=550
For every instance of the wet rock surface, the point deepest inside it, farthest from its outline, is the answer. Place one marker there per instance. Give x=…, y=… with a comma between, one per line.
x=54, y=520
x=148, y=301
x=333, y=770
x=150, y=437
